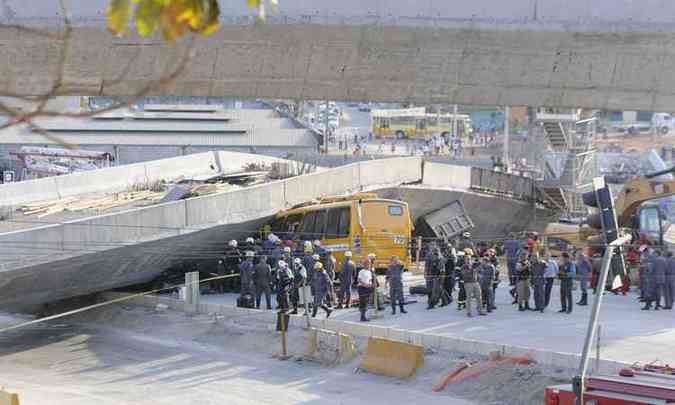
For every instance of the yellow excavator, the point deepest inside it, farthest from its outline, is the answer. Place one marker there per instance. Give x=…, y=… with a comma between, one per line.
x=635, y=210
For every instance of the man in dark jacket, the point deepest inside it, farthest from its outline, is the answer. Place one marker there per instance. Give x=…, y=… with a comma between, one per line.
x=670, y=281
x=584, y=270
x=657, y=280
x=395, y=280
x=231, y=261
x=284, y=284
x=487, y=276
x=246, y=270
x=432, y=273
x=263, y=282
x=566, y=274
x=346, y=280
x=449, y=275
x=539, y=267
x=321, y=285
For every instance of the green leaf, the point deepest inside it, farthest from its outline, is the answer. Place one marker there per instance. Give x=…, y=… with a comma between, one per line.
x=212, y=22
x=118, y=14
x=147, y=16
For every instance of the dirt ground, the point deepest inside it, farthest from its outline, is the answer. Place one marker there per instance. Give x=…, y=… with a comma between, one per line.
x=133, y=355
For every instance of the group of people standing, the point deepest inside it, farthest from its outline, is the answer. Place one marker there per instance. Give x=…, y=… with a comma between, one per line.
x=475, y=273
x=295, y=272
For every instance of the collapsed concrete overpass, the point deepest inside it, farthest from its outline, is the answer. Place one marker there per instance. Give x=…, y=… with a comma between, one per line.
x=64, y=259
x=612, y=54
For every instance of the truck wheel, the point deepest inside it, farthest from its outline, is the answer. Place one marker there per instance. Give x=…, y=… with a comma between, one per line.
x=664, y=130
x=400, y=135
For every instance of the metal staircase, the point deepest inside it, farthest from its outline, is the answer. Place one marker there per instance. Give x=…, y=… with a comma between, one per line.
x=556, y=136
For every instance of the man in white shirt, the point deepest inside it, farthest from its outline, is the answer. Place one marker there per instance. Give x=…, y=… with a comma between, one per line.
x=365, y=288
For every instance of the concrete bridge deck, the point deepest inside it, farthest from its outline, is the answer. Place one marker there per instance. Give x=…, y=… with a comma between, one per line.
x=77, y=257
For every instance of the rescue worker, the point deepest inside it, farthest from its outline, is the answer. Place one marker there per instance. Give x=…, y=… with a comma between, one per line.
x=285, y=281
x=365, y=288
x=318, y=249
x=492, y=254
x=308, y=259
x=465, y=242
x=550, y=275
x=487, y=276
x=321, y=285
x=230, y=263
x=470, y=275
x=395, y=280
x=645, y=260
x=299, y=283
x=263, y=282
x=670, y=281
x=269, y=244
x=246, y=270
x=584, y=270
x=523, y=283
x=459, y=280
x=251, y=245
x=449, y=277
x=432, y=274
x=539, y=268
x=346, y=280
x=287, y=256
x=329, y=266
x=657, y=280
x=566, y=274
x=512, y=249
x=377, y=298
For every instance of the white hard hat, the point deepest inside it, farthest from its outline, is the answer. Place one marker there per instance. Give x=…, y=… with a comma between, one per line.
x=348, y=253
x=316, y=257
x=250, y=240
x=281, y=263
x=318, y=266
x=297, y=260
x=287, y=249
x=250, y=253
x=317, y=243
x=232, y=243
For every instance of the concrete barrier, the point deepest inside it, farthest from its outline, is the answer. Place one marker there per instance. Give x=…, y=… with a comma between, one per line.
x=235, y=206
x=381, y=172
x=447, y=176
x=331, y=182
x=567, y=361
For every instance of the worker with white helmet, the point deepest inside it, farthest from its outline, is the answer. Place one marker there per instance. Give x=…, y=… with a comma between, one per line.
x=321, y=285
x=308, y=259
x=346, y=280
x=228, y=265
x=284, y=284
x=299, y=282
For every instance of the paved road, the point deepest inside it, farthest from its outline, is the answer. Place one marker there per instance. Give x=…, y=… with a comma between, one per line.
x=628, y=334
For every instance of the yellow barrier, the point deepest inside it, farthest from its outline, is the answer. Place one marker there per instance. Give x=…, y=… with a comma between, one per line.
x=7, y=398
x=329, y=347
x=391, y=358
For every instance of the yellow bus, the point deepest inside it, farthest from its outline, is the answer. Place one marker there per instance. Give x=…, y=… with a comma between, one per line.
x=416, y=123
x=361, y=223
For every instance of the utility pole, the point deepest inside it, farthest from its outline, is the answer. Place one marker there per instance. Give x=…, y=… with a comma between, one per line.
x=325, y=131
x=454, y=121
x=507, y=140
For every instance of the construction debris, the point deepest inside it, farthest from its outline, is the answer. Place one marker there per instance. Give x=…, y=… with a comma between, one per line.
x=44, y=208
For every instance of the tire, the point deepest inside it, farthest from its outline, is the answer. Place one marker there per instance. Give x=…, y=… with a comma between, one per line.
x=400, y=135
x=633, y=131
x=664, y=130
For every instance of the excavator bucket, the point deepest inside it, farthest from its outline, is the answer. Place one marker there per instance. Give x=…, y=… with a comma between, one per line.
x=391, y=358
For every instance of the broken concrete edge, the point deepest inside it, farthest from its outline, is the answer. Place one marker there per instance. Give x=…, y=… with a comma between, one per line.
x=567, y=361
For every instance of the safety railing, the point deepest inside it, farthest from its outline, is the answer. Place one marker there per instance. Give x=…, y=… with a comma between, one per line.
x=502, y=183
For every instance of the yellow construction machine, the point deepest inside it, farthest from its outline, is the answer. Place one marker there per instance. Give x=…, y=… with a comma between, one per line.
x=635, y=211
